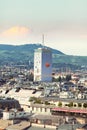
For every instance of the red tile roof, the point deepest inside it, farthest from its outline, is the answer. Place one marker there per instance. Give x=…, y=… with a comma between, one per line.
x=70, y=110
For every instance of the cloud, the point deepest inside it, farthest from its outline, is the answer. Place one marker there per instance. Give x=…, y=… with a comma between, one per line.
x=15, y=32
x=15, y=35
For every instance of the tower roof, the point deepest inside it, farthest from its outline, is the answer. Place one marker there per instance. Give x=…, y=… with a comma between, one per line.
x=43, y=50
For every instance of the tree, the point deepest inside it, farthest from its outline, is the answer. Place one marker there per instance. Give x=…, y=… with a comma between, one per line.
x=47, y=103
x=68, y=77
x=38, y=101
x=79, y=104
x=60, y=104
x=32, y=99
x=31, y=77
x=54, y=79
x=70, y=104
x=60, y=79
x=35, y=100
x=85, y=105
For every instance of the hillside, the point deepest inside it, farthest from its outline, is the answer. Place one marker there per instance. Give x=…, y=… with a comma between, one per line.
x=20, y=54
x=25, y=48
x=24, y=53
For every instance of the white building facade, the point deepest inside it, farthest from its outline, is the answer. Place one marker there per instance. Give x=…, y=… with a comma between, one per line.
x=43, y=65
x=13, y=114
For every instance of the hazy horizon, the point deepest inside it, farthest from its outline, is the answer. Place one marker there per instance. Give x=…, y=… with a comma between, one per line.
x=63, y=23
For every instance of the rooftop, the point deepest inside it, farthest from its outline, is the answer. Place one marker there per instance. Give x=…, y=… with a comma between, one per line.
x=21, y=126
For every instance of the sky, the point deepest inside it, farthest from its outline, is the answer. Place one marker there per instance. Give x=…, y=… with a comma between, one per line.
x=63, y=23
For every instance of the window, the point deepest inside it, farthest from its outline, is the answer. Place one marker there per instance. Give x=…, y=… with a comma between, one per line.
x=32, y=108
x=19, y=113
x=40, y=109
x=36, y=109
x=45, y=110
x=12, y=114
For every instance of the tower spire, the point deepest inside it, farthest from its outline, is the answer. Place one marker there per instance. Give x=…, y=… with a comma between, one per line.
x=43, y=40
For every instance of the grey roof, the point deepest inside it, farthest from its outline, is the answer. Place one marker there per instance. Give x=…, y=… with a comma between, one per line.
x=85, y=126
x=64, y=100
x=42, y=105
x=39, y=128
x=62, y=127
x=69, y=127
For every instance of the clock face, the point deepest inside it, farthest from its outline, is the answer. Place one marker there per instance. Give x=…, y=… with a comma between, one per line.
x=47, y=64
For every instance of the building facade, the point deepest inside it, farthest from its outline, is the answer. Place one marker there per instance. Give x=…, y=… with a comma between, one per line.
x=14, y=114
x=43, y=65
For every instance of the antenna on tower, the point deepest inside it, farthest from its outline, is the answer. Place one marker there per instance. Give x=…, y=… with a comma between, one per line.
x=43, y=40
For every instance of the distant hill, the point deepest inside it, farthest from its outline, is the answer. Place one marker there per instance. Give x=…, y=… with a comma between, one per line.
x=22, y=54
x=26, y=47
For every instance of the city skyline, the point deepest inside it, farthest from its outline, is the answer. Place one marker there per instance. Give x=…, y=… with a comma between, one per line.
x=64, y=24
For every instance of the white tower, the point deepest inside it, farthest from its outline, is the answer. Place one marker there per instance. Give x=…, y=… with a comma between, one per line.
x=43, y=65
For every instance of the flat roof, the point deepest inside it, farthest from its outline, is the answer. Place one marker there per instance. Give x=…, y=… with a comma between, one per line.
x=61, y=127
x=44, y=49
x=21, y=126
x=3, y=124
x=50, y=98
x=39, y=128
